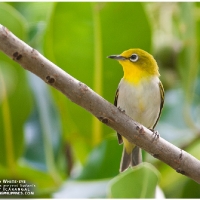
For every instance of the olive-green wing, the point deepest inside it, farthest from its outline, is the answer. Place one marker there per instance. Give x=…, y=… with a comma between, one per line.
x=162, y=97
x=120, y=141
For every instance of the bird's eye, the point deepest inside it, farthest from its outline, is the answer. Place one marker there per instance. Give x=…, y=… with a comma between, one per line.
x=134, y=57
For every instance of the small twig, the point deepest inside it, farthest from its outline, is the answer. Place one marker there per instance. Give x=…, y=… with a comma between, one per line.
x=82, y=95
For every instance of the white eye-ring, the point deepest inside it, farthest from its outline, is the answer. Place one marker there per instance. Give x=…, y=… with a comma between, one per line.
x=134, y=57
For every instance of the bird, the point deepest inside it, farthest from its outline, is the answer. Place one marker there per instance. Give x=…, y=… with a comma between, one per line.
x=140, y=94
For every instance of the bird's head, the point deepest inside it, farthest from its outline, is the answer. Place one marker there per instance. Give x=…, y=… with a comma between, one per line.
x=137, y=64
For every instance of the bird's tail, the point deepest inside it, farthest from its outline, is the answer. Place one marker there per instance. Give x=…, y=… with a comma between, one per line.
x=132, y=159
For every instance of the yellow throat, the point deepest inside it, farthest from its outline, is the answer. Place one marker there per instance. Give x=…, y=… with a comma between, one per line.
x=137, y=65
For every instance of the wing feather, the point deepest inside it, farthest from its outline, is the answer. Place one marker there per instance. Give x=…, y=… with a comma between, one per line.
x=162, y=97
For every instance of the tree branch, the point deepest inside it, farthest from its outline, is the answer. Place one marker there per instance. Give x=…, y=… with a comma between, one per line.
x=81, y=94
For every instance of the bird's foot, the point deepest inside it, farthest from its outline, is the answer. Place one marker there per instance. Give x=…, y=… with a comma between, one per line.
x=122, y=110
x=155, y=134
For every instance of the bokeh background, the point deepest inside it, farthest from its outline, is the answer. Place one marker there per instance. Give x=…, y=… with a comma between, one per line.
x=61, y=148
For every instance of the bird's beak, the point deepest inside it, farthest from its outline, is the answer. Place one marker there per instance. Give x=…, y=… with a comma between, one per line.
x=117, y=57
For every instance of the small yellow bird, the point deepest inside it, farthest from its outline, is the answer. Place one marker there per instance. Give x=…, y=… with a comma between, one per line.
x=140, y=95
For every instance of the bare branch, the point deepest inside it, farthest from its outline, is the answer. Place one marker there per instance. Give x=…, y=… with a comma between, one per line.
x=81, y=94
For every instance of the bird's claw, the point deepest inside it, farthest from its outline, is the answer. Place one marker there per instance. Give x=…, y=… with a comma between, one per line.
x=122, y=110
x=155, y=134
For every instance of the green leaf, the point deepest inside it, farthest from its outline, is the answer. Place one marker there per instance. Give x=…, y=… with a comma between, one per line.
x=14, y=93
x=36, y=13
x=13, y=20
x=190, y=190
x=137, y=182
x=103, y=161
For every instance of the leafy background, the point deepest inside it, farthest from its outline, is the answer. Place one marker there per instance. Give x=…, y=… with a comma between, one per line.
x=55, y=144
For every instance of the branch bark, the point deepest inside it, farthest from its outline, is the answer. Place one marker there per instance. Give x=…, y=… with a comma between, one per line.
x=79, y=93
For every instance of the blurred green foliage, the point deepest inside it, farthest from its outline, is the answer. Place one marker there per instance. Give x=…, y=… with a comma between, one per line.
x=145, y=186
x=48, y=140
